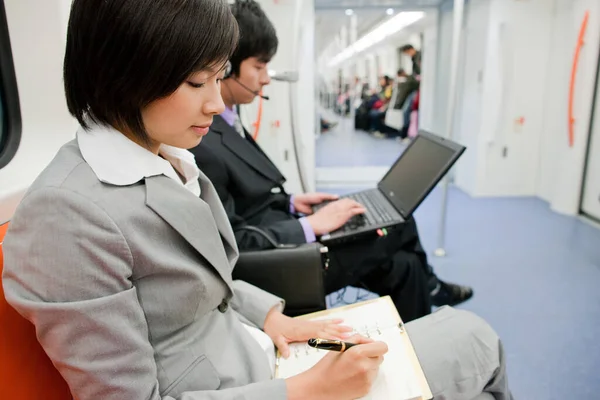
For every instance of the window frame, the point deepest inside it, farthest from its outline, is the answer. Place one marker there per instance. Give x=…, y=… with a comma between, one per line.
x=11, y=137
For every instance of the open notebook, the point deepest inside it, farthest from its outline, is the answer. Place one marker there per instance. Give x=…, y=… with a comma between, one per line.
x=400, y=376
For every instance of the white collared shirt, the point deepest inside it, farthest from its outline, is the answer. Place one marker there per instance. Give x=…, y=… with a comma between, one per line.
x=100, y=144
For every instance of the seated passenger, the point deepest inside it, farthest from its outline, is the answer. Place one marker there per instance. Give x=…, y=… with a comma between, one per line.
x=122, y=258
x=250, y=186
x=406, y=91
x=377, y=112
x=379, y=128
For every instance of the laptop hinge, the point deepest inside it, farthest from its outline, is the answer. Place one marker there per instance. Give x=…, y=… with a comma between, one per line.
x=389, y=199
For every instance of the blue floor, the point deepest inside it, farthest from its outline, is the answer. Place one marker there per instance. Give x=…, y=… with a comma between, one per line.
x=344, y=147
x=536, y=276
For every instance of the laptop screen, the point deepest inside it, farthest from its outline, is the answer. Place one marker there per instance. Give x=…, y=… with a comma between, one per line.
x=422, y=165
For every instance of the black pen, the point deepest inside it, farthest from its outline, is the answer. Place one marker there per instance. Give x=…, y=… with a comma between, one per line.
x=331, y=345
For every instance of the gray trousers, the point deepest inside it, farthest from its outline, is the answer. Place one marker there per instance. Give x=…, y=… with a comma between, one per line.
x=461, y=356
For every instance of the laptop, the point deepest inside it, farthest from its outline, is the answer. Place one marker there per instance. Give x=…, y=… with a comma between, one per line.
x=403, y=188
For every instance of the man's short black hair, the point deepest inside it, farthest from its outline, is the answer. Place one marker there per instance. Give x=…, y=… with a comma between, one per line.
x=406, y=47
x=257, y=34
x=401, y=72
x=122, y=55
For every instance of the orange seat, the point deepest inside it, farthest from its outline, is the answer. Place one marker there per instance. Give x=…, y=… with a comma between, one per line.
x=26, y=372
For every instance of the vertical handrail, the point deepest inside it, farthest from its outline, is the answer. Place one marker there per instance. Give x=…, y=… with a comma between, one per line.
x=458, y=11
x=294, y=118
x=582, y=30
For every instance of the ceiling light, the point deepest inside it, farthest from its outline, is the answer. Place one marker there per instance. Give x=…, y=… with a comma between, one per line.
x=380, y=33
x=349, y=12
x=389, y=11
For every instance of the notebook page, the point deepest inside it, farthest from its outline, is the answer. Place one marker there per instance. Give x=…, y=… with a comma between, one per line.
x=396, y=379
x=367, y=319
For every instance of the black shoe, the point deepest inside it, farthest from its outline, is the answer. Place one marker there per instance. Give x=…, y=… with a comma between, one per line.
x=450, y=294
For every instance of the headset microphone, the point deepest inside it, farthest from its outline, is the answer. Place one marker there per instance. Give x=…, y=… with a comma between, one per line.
x=254, y=92
x=229, y=74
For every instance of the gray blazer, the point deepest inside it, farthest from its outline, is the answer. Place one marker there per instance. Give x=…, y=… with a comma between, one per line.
x=130, y=288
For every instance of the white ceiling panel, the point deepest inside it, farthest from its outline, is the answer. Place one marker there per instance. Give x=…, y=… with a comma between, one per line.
x=406, y=4
x=329, y=22
x=330, y=15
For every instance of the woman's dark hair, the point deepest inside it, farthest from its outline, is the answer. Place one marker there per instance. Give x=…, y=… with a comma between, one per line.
x=257, y=34
x=123, y=54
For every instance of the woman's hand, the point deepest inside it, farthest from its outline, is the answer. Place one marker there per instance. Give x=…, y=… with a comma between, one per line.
x=284, y=330
x=340, y=376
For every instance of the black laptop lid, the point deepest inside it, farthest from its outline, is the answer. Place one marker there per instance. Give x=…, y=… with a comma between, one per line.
x=416, y=172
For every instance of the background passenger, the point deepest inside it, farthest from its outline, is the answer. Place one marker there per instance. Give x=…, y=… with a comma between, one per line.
x=415, y=56
x=380, y=106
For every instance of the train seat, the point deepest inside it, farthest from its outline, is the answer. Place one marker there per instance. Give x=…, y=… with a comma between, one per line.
x=26, y=372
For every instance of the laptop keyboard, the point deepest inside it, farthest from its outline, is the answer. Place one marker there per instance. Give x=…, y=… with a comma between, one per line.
x=377, y=211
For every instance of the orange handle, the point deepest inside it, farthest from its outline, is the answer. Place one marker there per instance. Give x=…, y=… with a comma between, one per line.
x=573, y=76
x=256, y=123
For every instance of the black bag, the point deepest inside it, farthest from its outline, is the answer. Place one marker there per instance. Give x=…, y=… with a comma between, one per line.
x=361, y=119
x=294, y=273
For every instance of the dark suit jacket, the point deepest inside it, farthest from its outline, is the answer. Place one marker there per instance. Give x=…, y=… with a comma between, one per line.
x=250, y=187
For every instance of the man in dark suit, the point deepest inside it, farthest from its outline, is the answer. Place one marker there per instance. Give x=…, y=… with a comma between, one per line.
x=251, y=189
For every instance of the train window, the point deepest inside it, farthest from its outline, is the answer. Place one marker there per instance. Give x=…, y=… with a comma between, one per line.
x=10, y=112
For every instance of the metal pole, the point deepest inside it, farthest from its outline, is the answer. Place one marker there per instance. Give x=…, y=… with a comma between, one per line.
x=294, y=95
x=456, y=39
x=353, y=73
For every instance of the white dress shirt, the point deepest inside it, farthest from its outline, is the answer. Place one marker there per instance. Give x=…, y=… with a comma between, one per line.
x=117, y=160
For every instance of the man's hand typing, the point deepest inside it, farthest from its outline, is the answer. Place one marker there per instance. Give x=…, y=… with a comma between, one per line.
x=334, y=215
x=303, y=202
